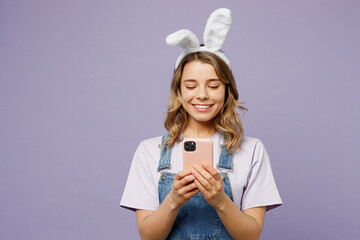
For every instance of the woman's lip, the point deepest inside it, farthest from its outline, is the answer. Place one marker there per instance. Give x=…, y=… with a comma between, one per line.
x=202, y=107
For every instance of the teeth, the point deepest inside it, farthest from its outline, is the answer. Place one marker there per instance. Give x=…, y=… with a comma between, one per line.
x=202, y=106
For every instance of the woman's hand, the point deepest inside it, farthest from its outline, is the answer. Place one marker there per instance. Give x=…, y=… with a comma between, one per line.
x=210, y=184
x=183, y=188
x=157, y=224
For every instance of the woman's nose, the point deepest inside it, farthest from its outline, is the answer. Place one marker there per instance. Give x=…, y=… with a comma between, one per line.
x=202, y=94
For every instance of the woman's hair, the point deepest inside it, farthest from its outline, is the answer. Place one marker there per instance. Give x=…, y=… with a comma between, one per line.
x=226, y=121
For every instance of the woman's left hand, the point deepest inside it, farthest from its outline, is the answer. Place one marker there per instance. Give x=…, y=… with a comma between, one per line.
x=210, y=184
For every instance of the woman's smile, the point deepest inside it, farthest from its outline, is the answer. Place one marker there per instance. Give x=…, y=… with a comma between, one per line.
x=202, y=107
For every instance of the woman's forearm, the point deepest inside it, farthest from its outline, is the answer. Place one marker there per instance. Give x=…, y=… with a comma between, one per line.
x=158, y=224
x=239, y=225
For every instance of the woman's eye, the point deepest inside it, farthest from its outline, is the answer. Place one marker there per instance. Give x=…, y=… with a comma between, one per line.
x=213, y=87
x=190, y=87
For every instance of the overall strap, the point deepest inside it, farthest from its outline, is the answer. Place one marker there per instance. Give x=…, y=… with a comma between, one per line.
x=165, y=156
x=226, y=159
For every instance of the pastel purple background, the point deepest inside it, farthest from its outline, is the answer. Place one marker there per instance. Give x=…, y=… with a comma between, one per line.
x=83, y=82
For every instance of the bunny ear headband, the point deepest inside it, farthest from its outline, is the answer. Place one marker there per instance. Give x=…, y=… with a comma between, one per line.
x=216, y=28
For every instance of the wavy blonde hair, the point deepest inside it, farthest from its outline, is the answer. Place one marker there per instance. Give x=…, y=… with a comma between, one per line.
x=226, y=121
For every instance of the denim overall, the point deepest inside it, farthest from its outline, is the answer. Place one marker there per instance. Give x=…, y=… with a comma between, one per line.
x=196, y=219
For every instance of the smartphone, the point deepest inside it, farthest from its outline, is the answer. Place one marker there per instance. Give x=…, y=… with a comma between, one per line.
x=196, y=150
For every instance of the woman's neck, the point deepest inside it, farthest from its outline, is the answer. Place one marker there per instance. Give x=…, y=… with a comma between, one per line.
x=199, y=129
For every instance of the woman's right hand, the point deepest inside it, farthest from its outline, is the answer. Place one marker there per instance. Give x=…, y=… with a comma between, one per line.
x=157, y=224
x=183, y=188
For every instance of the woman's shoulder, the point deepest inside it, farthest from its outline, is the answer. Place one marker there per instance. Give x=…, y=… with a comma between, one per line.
x=250, y=140
x=251, y=148
x=148, y=151
x=150, y=143
x=249, y=143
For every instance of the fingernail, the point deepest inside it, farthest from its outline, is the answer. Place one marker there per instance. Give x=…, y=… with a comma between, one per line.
x=196, y=166
x=204, y=164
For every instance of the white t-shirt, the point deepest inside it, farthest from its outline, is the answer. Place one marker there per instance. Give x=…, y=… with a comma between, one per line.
x=251, y=178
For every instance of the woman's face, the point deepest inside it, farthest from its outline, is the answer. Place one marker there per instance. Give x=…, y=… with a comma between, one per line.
x=202, y=93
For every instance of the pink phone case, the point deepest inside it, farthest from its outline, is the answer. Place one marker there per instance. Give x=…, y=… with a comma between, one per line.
x=203, y=152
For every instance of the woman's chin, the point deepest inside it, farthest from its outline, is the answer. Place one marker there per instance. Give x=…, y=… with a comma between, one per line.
x=202, y=119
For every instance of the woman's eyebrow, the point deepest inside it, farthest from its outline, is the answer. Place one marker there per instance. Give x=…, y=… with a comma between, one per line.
x=213, y=80
x=209, y=80
x=190, y=80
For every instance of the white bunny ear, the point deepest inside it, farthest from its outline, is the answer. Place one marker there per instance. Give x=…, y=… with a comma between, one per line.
x=216, y=28
x=184, y=39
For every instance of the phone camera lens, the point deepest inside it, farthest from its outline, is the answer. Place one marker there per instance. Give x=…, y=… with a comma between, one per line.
x=190, y=146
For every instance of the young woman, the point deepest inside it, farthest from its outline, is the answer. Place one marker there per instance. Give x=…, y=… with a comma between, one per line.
x=227, y=201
